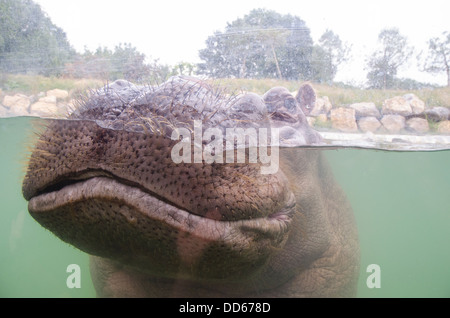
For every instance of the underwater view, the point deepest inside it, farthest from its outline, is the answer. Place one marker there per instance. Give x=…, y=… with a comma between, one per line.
x=400, y=202
x=206, y=149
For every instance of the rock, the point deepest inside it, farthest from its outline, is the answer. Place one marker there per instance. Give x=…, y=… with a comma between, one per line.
x=397, y=106
x=366, y=110
x=44, y=109
x=343, y=119
x=321, y=106
x=417, y=105
x=444, y=127
x=48, y=99
x=370, y=123
x=438, y=113
x=58, y=93
x=19, y=110
x=17, y=105
x=393, y=123
x=419, y=125
x=72, y=105
x=66, y=108
x=17, y=101
x=311, y=120
x=4, y=112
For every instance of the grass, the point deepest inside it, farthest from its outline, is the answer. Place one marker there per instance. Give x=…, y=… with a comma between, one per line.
x=34, y=84
x=338, y=94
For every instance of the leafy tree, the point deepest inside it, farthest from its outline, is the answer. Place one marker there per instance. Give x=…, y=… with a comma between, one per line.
x=91, y=64
x=384, y=63
x=29, y=41
x=123, y=62
x=263, y=43
x=220, y=59
x=158, y=72
x=438, y=59
x=270, y=40
x=327, y=56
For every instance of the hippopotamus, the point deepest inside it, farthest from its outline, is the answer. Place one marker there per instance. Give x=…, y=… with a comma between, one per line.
x=120, y=179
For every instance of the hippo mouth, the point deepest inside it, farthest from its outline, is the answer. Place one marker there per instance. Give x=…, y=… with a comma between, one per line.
x=102, y=185
x=114, y=218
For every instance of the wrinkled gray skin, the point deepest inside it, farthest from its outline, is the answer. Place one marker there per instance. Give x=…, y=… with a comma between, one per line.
x=104, y=181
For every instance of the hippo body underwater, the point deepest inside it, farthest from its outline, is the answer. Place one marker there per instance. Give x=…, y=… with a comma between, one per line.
x=105, y=180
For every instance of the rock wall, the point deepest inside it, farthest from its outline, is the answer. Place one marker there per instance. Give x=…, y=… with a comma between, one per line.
x=53, y=103
x=398, y=114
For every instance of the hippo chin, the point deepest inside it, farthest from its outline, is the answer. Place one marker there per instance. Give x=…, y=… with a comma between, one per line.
x=106, y=181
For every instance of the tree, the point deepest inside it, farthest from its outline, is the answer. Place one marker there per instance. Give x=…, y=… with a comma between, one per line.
x=270, y=40
x=29, y=41
x=295, y=55
x=263, y=43
x=129, y=63
x=327, y=56
x=384, y=63
x=124, y=62
x=438, y=59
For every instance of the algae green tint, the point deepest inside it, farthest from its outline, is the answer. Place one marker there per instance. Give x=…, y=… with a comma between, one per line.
x=33, y=263
x=399, y=201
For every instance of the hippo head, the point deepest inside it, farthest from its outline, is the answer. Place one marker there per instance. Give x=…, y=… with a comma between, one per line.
x=106, y=181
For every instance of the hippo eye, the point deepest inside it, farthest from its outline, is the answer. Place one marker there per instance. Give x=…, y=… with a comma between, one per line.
x=290, y=104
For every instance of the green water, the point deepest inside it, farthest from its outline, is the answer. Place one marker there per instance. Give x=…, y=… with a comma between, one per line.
x=400, y=200
x=33, y=262
x=401, y=205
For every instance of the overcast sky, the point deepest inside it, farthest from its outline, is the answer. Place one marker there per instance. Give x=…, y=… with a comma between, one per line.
x=174, y=31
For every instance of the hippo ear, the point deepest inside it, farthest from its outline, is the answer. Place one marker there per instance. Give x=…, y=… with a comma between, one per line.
x=306, y=97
